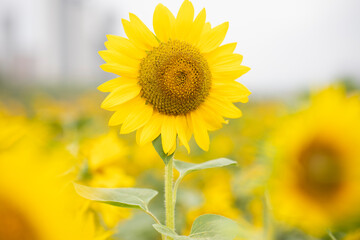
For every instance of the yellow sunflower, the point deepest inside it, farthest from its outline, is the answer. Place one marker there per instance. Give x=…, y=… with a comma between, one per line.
x=315, y=182
x=176, y=82
x=31, y=204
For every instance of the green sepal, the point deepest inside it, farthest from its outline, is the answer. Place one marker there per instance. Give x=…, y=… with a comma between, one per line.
x=159, y=149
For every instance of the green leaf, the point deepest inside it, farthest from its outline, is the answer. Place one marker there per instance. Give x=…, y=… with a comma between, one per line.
x=213, y=227
x=205, y=227
x=159, y=149
x=164, y=230
x=185, y=168
x=122, y=197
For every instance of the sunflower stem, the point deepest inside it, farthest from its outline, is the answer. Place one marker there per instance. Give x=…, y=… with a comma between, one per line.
x=169, y=201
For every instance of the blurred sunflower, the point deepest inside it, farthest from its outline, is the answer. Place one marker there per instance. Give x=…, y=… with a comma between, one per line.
x=106, y=166
x=178, y=82
x=316, y=175
x=31, y=206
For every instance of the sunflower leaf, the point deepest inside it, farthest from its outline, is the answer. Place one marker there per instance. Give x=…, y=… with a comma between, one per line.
x=185, y=168
x=122, y=197
x=205, y=227
x=164, y=230
x=159, y=149
x=213, y=227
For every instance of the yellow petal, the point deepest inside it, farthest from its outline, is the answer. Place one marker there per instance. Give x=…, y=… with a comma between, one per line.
x=228, y=72
x=213, y=38
x=168, y=133
x=206, y=29
x=197, y=28
x=122, y=111
x=139, y=34
x=200, y=132
x=220, y=52
x=124, y=46
x=222, y=106
x=120, y=70
x=184, y=20
x=138, y=135
x=227, y=61
x=152, y=128
x=113, y=57
x=117, y=118
x=212, y=119
x=172, y=149
x=163, y=22
x=112, y=84
x=137, y=118
x=182, y=129
x=233, y=91
x=120, y=95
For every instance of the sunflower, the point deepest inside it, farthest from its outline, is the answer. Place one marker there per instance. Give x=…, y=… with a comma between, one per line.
x=176, y=82
x=31, y=207
x=316, y=175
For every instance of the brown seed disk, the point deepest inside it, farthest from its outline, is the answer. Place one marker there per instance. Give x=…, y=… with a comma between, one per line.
x=175, y=78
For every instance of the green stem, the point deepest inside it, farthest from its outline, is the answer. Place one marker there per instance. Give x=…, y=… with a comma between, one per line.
x=169, y=201
x=331, y=235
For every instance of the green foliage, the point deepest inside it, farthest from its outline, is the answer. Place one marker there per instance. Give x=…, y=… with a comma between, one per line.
x=205, y=227
x=138, y=198
x=159, y=149
x=185, y=168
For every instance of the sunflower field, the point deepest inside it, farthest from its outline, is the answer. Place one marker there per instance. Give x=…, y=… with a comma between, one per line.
x=175, y=147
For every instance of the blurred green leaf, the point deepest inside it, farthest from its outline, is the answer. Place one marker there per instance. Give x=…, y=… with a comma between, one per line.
x=213, y=227
x=185, y=168
x=205, y=227
x=122, y=197
x=159, y=149
x=164, y=230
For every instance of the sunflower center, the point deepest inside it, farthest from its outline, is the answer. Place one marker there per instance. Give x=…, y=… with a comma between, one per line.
x=320, y=172
x=13, y=224
x=175, y=78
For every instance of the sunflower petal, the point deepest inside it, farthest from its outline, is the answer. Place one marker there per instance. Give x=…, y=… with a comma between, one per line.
x=227, y=61
x=124, y=46
x=197, y=28
x=163, y=22
x=200, y=132
x=224, y=107
x=110, y=85
x=122, y=111
x=220, y=52
x=119, y=58
x=233, y=91
x=168, y=133
x=184, y=20
x=212, y=120
x=120, y=95
x=213, y=38
x=118, y=118
x=138, y=135
x=151, y=129
x=182, y=129
x=137, y=118
x=228, y=72
x=139, y=34
x=120, y=70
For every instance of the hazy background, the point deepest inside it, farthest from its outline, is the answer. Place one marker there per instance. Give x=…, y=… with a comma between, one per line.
x=289, y=45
